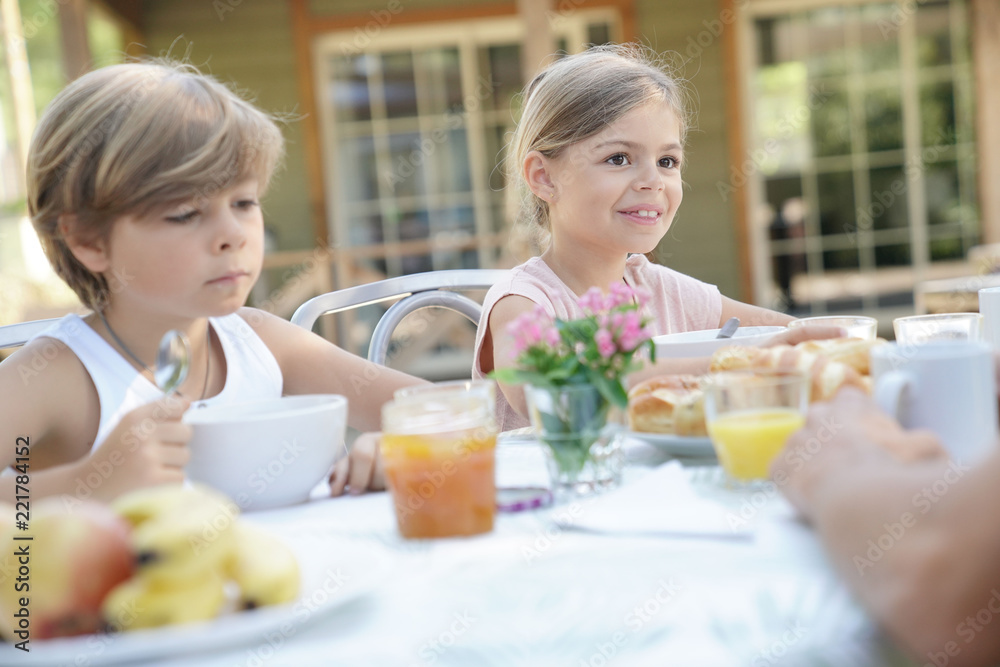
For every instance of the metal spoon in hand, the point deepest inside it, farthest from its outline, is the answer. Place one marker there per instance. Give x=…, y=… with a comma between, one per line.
x=173, y=360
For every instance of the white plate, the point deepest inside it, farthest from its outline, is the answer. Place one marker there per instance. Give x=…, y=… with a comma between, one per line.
x=333, y=572
x=678, y=445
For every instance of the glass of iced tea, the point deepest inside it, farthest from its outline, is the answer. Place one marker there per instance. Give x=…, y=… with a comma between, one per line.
x=750, y=415
x=438, y=449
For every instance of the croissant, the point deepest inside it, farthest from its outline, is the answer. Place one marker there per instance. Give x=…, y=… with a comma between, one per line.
x=831, y=364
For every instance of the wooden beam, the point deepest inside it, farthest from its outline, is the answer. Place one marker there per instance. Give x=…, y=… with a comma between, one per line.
x=731, y=46
x=76, y=56
x=302, y=34
x=20, y=82
x=377, y=20
x=986, y=55
x=539, y=42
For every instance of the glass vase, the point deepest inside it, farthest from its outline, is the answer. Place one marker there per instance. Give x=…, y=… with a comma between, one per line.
x=581, y=438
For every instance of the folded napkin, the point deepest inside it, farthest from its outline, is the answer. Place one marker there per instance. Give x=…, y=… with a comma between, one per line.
x=662, y=502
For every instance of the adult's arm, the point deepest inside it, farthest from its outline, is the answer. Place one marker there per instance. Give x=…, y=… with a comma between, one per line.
x=915, y=535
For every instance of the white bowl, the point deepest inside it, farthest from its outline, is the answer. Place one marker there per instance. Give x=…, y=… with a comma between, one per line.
x=270, y=452
x=704, y=343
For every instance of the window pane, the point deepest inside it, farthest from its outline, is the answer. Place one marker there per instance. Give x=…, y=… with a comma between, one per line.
x=356, y=170
x=943, y=203
x=783, y=112
x=846, y=258
x=400, y=88
x=598, y=33
x=884, y=119
x=366, y=230
x=442, y=77
x=827, y=43
x=937, y=113
x=781, y=40
x=893, y=255
x=450, y=160
x=349, y=90
x=502, y=67
x=879, y=33
x=836, y=202
x=831, y=127
x=406, y=176
x=888, y=208
x=496, y=150
x=786, y=232
x=933, y=34
x=459, y=219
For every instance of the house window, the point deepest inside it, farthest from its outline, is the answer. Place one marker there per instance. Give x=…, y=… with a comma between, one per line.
x=864, y=152
x=414, y=130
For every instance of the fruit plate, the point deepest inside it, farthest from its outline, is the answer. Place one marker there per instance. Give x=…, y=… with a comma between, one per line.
x=677, y=445
x=334, y=573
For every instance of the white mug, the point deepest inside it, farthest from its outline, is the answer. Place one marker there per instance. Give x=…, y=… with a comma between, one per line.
x=989, y=308
x=945, y=386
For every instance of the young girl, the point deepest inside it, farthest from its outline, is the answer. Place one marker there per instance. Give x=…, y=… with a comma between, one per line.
x=597, y=158
x=143, y=185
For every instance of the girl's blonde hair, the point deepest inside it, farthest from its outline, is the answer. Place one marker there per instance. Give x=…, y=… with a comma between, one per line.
x=577, y=97
x=126, y=139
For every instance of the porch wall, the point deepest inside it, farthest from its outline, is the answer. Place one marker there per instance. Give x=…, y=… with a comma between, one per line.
x=252, y=46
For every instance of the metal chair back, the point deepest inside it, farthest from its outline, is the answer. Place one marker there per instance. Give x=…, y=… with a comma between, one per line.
x=414, y=291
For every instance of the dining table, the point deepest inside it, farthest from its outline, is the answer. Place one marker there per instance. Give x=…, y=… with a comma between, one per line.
x=676, y=566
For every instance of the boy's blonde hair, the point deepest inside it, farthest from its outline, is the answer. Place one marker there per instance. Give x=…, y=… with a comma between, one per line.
x=126, y=139
x=577, y=97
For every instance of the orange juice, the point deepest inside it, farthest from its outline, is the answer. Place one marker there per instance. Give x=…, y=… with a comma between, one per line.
x=442, y=483
x=747, y=441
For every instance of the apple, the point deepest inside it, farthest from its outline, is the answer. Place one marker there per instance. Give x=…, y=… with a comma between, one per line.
x=74, y=558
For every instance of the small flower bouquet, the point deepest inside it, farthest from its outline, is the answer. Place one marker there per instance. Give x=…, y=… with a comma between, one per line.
x=599, y=349
x=574, y=372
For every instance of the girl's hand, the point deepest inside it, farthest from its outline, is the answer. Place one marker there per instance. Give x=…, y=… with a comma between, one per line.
x=147, y=448
x=361, y=469
x=795, y=335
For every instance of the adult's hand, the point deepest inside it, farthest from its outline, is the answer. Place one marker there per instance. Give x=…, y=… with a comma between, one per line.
x=795, y=335
x=846, y=434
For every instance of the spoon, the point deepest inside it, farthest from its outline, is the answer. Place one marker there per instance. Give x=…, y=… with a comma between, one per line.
x=173, y=359
x=729, y=328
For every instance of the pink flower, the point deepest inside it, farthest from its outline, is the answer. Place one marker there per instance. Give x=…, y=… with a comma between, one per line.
x=592, y=302
x=552, y=337
x=605, y=343
x=632, y=332
x=529, y=329
x=642, y=296
x=619, y=294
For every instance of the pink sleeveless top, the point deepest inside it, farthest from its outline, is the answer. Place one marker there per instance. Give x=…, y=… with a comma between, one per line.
x=679, y=303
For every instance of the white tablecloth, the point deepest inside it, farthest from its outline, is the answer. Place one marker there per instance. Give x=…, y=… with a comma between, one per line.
x=536, y=593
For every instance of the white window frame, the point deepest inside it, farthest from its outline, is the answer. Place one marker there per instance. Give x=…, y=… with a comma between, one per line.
x=468, y=36
x=760, y=256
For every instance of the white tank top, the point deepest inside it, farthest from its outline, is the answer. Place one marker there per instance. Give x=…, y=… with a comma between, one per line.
x=252, y=372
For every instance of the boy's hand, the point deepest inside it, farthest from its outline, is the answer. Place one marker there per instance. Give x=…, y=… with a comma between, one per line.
x=359, y=470
x=147, y=448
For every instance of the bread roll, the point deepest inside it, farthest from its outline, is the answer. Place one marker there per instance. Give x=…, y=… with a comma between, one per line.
x=851, y=351
x=827, y=376
x=667, y=404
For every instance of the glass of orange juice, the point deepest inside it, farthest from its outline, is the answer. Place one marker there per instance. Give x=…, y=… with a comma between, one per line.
x=438, y=449
x=750, y=415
